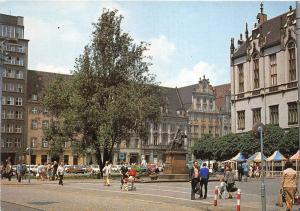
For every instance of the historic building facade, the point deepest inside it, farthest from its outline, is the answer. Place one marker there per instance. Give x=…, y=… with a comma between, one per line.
x=14, y=73
x=39, y=119
x=263, y=74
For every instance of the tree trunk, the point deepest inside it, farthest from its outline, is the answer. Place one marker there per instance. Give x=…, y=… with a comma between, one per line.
x=99, y=160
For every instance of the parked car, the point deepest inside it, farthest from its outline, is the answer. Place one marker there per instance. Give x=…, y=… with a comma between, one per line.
x=67, y=167
x=116, y=168
x=76, y=169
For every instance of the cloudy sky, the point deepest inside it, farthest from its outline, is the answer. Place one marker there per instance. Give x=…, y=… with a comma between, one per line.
x=188, y=39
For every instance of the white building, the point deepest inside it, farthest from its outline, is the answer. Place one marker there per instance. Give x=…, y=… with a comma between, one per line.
x=263, y=74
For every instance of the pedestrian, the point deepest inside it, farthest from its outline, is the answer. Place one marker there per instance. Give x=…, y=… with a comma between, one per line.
x=289, y=185
x=124, y=170
x=229, y=179
x=240, y=171
x=194, y=179
x=24, y=170
x=106, y=173
x=39, y=172
x=245, y=167
x=49, y=171
x=54, y=168
x=60, y=173
x=19, y=171
x=204, y=176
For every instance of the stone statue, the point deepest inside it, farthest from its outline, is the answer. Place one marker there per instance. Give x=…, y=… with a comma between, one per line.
x=178, y=141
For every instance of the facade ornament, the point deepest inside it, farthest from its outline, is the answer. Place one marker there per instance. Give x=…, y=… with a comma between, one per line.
x=247, y=32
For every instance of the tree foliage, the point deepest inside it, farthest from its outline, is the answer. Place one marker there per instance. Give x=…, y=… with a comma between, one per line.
x=110, y=95
x=225, y=147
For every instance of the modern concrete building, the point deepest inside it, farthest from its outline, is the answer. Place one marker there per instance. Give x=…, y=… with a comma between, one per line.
x=263, y=74
x=13, y=90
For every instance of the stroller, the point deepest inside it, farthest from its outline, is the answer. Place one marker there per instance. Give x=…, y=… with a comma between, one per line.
x=128, y=181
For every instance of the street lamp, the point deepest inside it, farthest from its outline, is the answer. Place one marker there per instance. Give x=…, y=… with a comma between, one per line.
x=258, y=130
x=29, y=152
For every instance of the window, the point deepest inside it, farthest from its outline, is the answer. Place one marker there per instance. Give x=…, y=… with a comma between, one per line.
x=203, y=129
x=2, y=143
x=2, y=128
x=33, y=142
x=18, y=143
x=256, y=72
x=3, y=116
x=45, y=124
x=292, y=61
x=274, y=117
x=45, y=143
x=10, y=114
x=18, y=129
x=19, y=88
x=9, y=100
x=172, y=127
x=165, y=139
x=34, y=124
x=18, y=114
x=9, y=143
x=256, y=116
x=210, y=129
x=292, y=113
x=273, y=69
x=10, y=73
x=155, y=141
x=196, y=128
x=155, y=126
x=19, y=101
x=164, y=127
x=66, y=159
x=195, y=116
x=10, y=128
x=19, y=74
x=45, y=111
x=34, y=110
x=241, y=77
x=34, y=97
x=241, y=120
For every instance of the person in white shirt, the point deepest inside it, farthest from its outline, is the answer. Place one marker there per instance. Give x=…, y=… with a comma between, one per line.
x=60, y=173
x=106, y=173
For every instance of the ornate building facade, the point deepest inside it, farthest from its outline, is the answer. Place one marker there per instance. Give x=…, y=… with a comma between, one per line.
x=263, y=74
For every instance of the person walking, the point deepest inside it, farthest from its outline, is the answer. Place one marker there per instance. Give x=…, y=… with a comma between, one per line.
x=194, y=178
x=60, y=173
x=124, y=170
x=245, y=167
x=229, y=179
x=289, y=185
x=204, y=176
x=49, y=171
x=240, y=171
x=40, y=172
x=106, y=173
x=55, y=166
x=19, y=171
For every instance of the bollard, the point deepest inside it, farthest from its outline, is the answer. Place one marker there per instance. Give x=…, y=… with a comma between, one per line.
x=238, y=200
x=216, y=196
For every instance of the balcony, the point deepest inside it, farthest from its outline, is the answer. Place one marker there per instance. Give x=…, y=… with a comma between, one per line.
x=151, y=146
x=292, y=85
x=256, y=92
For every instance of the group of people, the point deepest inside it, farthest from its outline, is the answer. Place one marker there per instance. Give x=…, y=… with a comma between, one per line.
x=52, y=171
x=199, y=178
x=6, y=169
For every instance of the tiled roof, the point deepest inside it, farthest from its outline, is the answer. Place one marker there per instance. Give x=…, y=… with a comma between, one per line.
x=38, y=81
x=220, y=92
x=270, y=30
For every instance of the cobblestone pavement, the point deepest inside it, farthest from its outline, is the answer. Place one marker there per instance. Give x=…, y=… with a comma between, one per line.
x=92, y=195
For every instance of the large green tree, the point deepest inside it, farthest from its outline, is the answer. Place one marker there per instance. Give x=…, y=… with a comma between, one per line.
x=111, y=94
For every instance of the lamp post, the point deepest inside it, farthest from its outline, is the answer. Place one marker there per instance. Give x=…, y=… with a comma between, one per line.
x=28, y=150
x=263, y=188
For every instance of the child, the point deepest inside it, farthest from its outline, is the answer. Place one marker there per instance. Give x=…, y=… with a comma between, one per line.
x=222, y=187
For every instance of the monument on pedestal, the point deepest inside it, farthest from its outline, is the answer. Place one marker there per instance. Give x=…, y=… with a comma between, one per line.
x=176, y=155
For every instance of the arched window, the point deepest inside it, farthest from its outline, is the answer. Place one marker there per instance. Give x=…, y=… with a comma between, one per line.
x=256, y=71
x=292, y=61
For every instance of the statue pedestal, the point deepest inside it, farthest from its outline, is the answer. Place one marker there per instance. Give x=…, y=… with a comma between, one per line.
x=175, y=162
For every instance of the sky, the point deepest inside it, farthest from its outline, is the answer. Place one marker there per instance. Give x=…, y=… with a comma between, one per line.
x=188, y=39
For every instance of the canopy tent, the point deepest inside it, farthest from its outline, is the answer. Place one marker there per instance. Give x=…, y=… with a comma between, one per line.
x=256, y=157
x=276, y=156
x=296, y=157
x=238, y=158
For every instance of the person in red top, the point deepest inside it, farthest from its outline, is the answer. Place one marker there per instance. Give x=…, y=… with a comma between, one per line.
x=194, y=178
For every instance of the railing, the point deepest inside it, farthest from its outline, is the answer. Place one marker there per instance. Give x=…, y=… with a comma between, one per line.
x=155, y=146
